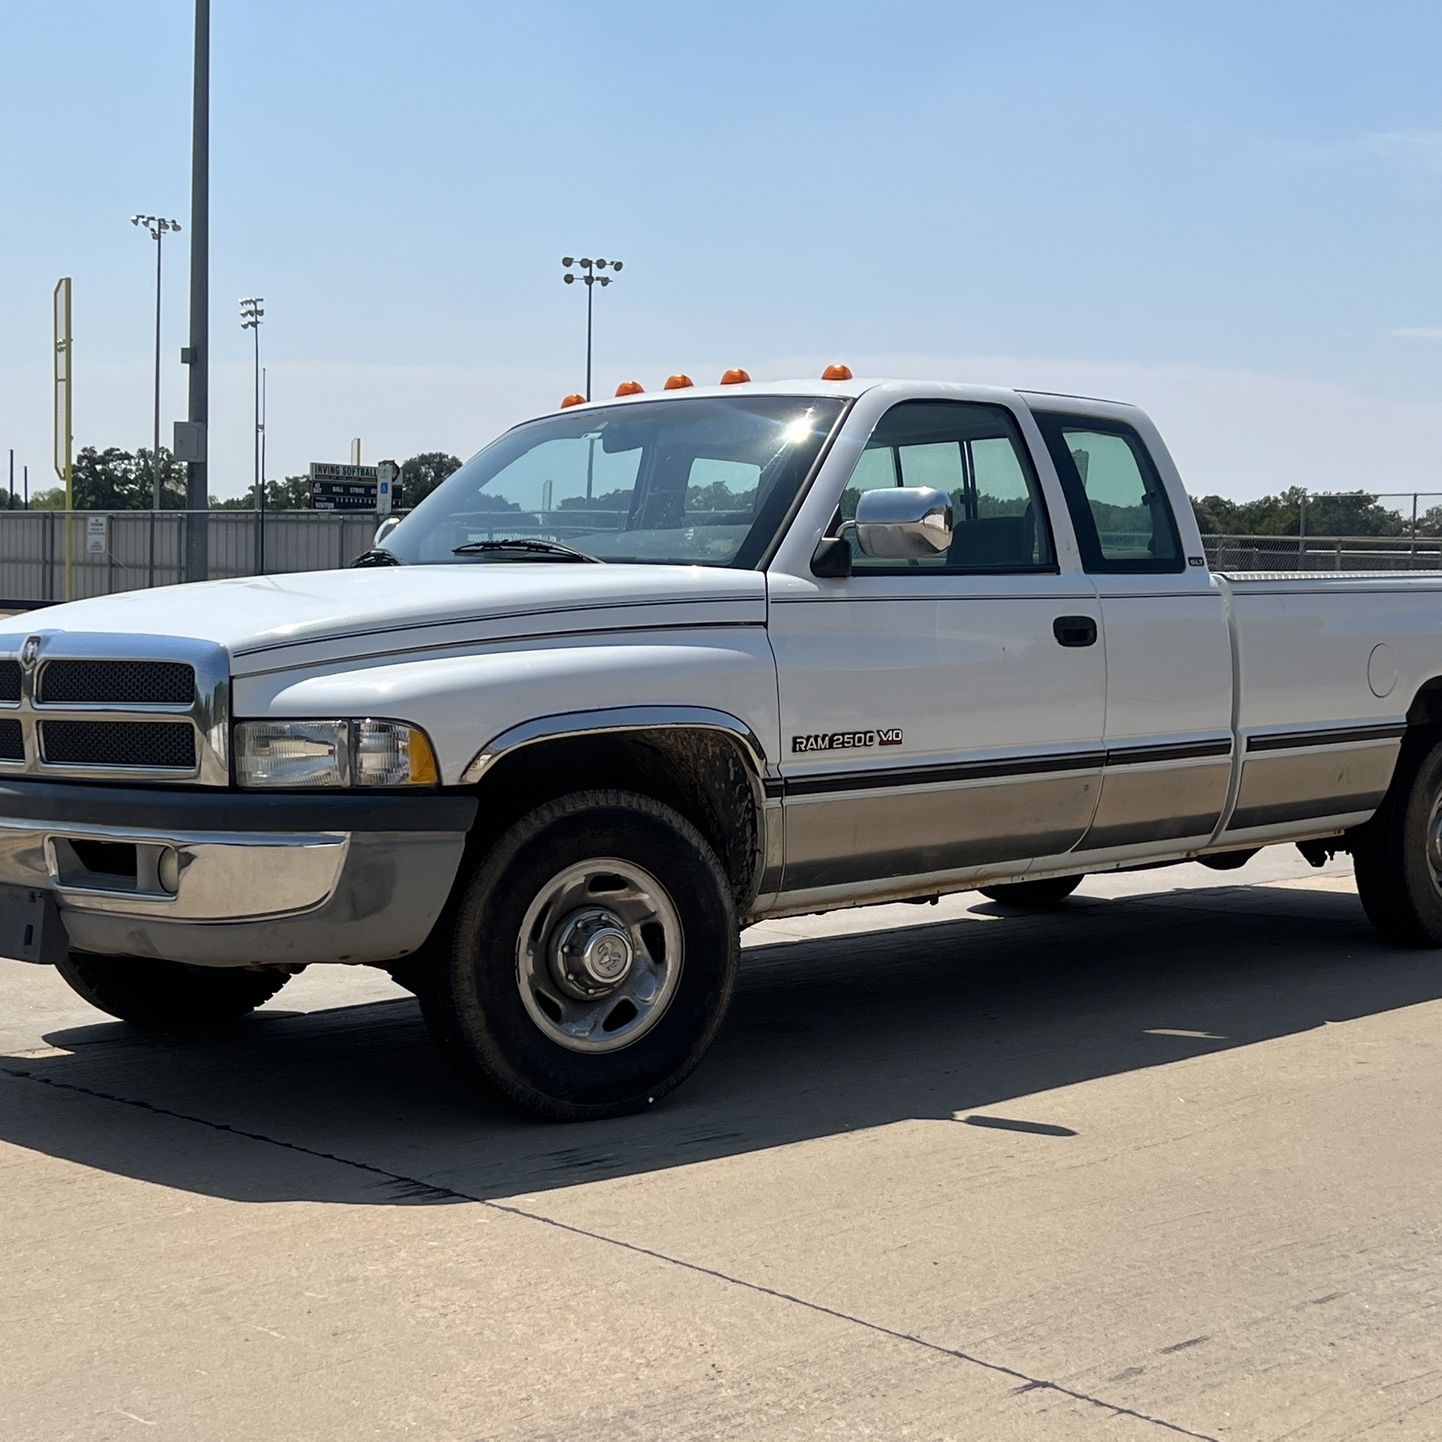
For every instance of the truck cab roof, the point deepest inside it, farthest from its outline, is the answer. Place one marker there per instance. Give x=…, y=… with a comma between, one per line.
x=857, y=386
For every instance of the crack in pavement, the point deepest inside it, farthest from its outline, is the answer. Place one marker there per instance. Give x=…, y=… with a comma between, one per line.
x=417, y=1190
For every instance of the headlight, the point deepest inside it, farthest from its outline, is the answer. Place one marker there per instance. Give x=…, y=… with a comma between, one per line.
x=314, y=755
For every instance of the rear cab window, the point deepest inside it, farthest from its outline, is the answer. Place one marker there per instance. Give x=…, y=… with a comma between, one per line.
x=1119, y=507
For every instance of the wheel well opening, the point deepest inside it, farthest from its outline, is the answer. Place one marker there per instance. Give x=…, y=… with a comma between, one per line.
x=1426, y=707
x=702, y=774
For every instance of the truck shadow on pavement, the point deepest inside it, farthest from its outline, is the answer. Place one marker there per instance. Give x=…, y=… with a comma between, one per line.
x=969, y=1020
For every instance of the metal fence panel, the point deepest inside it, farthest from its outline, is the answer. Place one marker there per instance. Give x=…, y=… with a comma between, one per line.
x=1393, y=532
x=148, y=549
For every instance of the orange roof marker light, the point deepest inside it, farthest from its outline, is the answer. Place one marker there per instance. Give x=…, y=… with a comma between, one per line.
x=678, y=382
x=574, y=399
x=630, y=388
x=735, y=377
x=836, y=372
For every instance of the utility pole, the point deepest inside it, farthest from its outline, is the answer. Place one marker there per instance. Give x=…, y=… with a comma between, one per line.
x=156, y=227
x=591, y=280
x=260, y=520
x=251, y=311
x=197, y=494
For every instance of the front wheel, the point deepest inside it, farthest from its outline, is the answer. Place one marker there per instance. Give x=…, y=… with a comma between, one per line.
x=1049, y=892
x=591, y=960
x=167, y=995
x=1397, y=855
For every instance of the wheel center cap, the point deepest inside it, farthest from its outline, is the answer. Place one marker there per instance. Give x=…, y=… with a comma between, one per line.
x=607, y=955
x=593, y=953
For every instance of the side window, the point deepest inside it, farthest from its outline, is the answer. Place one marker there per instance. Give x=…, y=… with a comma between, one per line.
x=875, y=469
x=975, y=454
x=1120, y=509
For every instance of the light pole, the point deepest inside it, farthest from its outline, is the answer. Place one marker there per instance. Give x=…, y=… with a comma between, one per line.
x=251, y=311
x=156, y=227
x=589, y=269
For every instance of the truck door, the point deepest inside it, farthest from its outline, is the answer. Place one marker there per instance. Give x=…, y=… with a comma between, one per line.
x=1168, y=649
x=936, y=715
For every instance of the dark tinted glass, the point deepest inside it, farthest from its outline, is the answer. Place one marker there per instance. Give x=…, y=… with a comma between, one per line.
x=1120, y=509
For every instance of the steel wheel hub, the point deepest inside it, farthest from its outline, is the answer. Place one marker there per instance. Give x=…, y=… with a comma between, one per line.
x=1434, y=843
x=599, y=955
x=592, y=953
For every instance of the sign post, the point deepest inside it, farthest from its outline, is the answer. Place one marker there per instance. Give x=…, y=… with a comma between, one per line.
x=97, y=535
x=63, y=412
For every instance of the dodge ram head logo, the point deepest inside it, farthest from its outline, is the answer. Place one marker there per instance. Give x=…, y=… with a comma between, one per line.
x=848, y=740
x=30, y=651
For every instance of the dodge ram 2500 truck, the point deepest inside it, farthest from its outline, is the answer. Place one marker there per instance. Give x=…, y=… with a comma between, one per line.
x=644, y=671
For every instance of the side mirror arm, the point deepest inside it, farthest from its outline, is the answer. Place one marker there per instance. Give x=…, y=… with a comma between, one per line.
x=832, y=560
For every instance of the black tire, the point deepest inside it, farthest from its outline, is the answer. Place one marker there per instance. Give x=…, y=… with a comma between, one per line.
x=474, y=1005
x=1399, y=889
x=1051, y=892
x=167, y=995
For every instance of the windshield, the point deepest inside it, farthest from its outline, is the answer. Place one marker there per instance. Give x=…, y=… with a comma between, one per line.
x=697, y=481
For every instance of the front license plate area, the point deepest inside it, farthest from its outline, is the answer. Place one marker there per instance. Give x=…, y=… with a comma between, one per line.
x=30, y=926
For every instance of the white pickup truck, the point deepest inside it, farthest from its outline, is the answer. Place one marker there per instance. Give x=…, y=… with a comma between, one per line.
x=648, y=670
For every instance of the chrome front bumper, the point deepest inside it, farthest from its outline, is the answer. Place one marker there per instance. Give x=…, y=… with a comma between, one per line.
x=224, y=879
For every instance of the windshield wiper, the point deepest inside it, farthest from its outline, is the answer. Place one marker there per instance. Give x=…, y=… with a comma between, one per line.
x=525, y=543
x=377, y=556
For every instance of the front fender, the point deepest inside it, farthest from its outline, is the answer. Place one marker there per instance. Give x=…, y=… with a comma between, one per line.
x=477, y=705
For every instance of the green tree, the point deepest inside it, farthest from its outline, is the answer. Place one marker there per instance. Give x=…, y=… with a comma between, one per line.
x=1361, y=514
x=1429, y=522
x=104, y=480
x=1216, y=516
x=291, y=494
x=422, y=474
x=172, y=480
x=611, y=501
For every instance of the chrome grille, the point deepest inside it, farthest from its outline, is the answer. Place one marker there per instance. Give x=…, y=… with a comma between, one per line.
x=119, y=745
x=162, y=683
x=108, y=706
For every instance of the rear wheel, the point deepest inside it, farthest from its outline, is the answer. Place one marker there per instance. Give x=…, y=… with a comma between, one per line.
x=591, y=960
x=1397, y=855
x=1049, y=892
x=167, y=995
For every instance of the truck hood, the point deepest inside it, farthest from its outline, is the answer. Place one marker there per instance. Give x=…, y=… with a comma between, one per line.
x=275, y=621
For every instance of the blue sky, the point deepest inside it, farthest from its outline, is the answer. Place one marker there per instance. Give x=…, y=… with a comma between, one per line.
x=1229, y=213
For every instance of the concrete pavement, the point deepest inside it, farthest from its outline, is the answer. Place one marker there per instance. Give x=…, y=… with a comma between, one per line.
x=1164, y=1163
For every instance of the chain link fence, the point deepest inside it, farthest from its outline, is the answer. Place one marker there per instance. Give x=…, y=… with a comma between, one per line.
x=1361, y=531
x=129, y=550
x=1323, y=553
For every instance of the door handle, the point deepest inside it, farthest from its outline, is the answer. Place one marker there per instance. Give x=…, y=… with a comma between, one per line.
x=1075, y=630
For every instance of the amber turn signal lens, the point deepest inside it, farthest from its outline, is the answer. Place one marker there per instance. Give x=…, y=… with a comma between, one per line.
x=735, y=377
x=630, y=388
x=678, y=382
x=574, y=399
x=836, y=372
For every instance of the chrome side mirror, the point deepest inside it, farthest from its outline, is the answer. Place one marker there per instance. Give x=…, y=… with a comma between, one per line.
x=385, y=528
x=902, y=523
